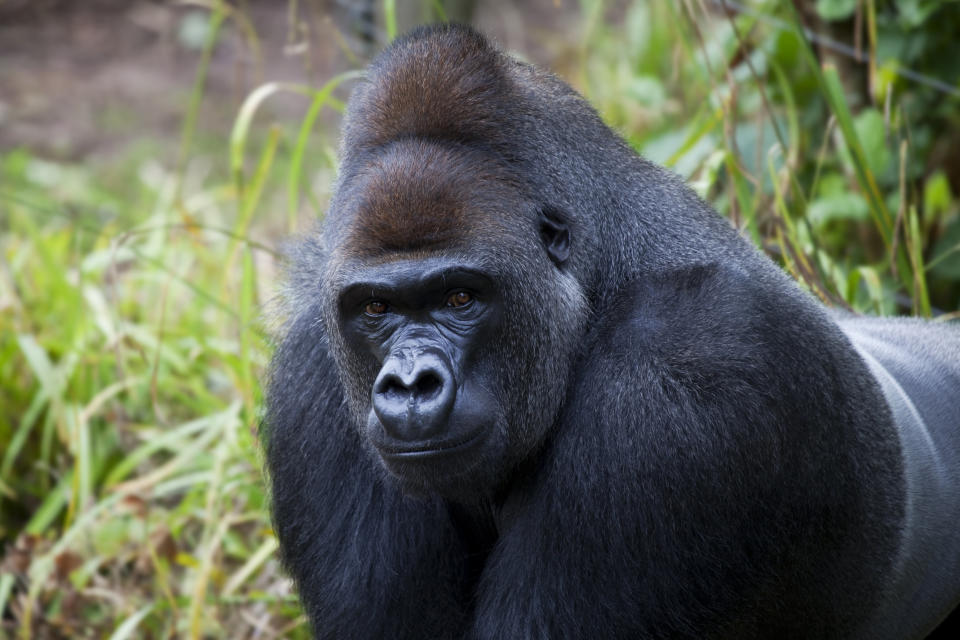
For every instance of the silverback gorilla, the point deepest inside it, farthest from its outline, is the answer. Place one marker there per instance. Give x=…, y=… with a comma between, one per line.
x=532, y=387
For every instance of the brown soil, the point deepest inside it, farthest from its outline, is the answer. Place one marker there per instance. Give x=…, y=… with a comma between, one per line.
x=80, y=79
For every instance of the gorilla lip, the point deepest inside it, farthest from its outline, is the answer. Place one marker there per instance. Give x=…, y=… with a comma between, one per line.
x=432, y=449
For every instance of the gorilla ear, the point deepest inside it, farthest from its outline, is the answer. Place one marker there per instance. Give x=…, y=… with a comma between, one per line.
x=556, y=235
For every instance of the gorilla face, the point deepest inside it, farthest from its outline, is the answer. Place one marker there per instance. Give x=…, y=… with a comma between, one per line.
x=434, y=412
x=451, y=316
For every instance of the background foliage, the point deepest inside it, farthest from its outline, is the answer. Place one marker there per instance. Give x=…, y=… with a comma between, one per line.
x=133, y=284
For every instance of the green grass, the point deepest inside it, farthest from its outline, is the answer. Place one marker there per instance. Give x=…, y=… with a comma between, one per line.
x=133, y=336
x=130, y=361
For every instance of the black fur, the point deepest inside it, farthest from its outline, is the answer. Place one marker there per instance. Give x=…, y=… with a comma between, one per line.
x=685, y=445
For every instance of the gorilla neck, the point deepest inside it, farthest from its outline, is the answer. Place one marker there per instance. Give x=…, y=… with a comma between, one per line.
x=478, y=526
x=481, y=521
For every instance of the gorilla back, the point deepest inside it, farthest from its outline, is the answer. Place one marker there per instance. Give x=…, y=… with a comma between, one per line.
x=532, y=387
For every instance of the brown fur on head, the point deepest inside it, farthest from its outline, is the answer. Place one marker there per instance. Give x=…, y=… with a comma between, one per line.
x=476, y=121
x=427, y=131
x=452, y=86
x=418, y=195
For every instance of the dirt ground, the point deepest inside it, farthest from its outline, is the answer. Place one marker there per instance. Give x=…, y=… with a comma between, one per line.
x=84, y=78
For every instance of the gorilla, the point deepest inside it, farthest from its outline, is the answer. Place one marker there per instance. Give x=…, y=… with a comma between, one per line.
x=530, y=386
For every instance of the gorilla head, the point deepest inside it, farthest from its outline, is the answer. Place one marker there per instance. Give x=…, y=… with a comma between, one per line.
x=451, y=307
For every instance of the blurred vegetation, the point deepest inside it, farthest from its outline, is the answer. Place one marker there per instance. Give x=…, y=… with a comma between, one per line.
x=132, y=290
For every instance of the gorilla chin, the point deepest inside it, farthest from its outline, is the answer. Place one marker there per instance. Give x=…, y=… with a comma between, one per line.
x=456, y=467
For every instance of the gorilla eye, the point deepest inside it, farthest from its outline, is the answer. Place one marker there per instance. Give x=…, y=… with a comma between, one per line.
x=376, y=308
x=459, y=299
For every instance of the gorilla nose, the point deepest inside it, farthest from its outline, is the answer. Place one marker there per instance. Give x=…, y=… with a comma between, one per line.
x=413, y=395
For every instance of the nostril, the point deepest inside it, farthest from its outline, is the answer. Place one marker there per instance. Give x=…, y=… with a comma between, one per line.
x=427, y=385
x=393, y=388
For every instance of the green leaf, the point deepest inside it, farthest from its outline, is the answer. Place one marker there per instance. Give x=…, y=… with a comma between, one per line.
x=836, y=9
x=945, y=262
x=872, y=134
x=126, y=629
x=647, y=90
x=913, y=13
x=936, y=196
x=390, y=18
x=842, y=206
x=833, y=91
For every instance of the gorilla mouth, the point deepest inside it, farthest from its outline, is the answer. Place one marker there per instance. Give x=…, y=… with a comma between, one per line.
x=433, y=448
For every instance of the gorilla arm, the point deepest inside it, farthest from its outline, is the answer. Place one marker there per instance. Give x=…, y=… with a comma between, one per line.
x=720, y=480
x=918, y=366
x=368, y=562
